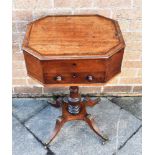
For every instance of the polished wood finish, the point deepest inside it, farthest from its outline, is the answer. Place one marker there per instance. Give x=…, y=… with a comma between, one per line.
x=74, y=71
x=73, y=51
x=82, y=115
x=65, y=37
x=73, y=35
x=62, y=50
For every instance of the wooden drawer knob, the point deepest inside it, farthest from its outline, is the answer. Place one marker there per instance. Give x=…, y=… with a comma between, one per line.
x=58, y=78
x=89, y=78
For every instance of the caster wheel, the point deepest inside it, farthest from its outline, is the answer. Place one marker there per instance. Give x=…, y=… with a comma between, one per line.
x=105, y=137
x=104, y=142
x=45, y=146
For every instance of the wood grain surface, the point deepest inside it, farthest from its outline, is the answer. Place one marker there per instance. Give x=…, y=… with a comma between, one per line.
x=73, y=35
x=73, y=50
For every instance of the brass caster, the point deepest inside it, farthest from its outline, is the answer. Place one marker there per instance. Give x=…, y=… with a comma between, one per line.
x=106, y=139
x=103, y=142
x=46, y=145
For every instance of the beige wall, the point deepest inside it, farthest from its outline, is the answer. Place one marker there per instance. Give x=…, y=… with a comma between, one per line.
x=127, y=12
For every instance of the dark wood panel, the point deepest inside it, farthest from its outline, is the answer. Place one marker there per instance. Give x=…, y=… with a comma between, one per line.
x=34, y=67
x=97, y=77
x=113, y=64
x=63, y=66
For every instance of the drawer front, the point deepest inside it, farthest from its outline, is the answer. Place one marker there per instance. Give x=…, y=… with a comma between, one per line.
x=79, y=78
x=63, y=66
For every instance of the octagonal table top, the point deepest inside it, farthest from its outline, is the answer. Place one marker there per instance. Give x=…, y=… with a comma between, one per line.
x=73, y=36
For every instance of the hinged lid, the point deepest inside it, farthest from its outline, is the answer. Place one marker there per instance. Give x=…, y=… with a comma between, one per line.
x=66, y=37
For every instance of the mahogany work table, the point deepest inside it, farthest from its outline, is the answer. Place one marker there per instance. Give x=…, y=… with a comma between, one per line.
x=72, y=51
